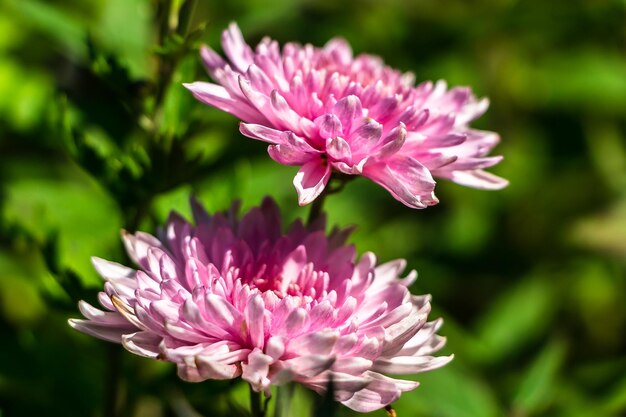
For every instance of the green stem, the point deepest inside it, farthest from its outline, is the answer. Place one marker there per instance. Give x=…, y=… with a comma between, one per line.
x=113, y=406
x=185, y=16
x=316, y=208
x=255, y=403
x=284, y=396
x=163, y=19
x=335, y=185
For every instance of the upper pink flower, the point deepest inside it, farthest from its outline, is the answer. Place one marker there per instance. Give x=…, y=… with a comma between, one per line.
x=229, y=297
x=328, y=111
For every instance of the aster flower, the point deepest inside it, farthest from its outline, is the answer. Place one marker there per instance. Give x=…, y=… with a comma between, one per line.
x=330, y=112
x=233, y=297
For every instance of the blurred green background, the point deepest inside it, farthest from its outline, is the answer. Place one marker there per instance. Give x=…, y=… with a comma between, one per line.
x=96, y=134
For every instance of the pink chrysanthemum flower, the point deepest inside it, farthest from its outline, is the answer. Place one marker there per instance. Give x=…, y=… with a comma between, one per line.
x=327, y=111
x=233, y=297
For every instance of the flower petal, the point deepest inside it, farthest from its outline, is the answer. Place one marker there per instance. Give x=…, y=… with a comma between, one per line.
x=406, y=179
x=311, y=180
x=476, y=179
x=236, y=48
x=309, y=366
x=217, y=96
x=257, y=369
x=211, y=59
x=255, y=316
x=144, y=344
x=409, y=364
x=329, y=126
x=347, y=109
x=381, y=391
x=338, y=149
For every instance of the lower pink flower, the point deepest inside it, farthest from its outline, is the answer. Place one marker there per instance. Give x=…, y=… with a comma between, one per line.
x=234, y=297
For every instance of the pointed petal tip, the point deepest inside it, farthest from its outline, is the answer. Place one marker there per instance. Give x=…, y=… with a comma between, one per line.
x=310, y=181
x=443, y=360
x=95, y=259
x=503, y=183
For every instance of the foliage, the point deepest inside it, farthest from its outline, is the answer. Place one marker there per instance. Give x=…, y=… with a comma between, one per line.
x=97, y=134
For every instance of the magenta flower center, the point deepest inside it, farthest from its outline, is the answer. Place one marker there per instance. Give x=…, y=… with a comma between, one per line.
x=307, y=283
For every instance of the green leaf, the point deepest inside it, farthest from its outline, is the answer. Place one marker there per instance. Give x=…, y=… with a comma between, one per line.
x=535, y=391
x=60, y=25
x=178, y=101
x=519, y=316
x=176, y=200
x=20, y=300
x=603, y=231
x=616, y=399
x=563, y=81
x=449, y=392
x=125, y=29
x=24, y=95
x=10, y=33
x=61, y=198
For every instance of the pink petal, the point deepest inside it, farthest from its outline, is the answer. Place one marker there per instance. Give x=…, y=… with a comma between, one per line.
x=338, y=149
x=288, y=118
x=296, y=323
x=311, y=180
x=259, y=80
x=476, y=179
x=144, y=344
x=221, y=311
x=201, y=362
x=263, y=133
x=102, y=331
x=347, y=109
x=409, y=364
x=366, y=136
x=472, y=111
x=236, y=48
x=329, y=126
x=352, y=365
x=112, y=271
x=257, y=369
x=406, y=179
x=275, y=347
x=126, y=311
x=213, y=329
x=317, y=343
x=389, y=271
x=309, y=366
x=217, y=96
x=294, y=153
x=102, y=317
x=472, y=164
x=340, y=50
x=380, y=392
x=255, y=316
x=211, y=59
x=393, y=141
x=422, y=337
x=345, y=385
x=451, y=139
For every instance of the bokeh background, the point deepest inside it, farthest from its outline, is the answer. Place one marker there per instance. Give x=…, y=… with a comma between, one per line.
x=96, y=134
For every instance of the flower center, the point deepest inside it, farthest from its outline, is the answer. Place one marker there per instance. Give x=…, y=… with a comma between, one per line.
x=292, y=280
